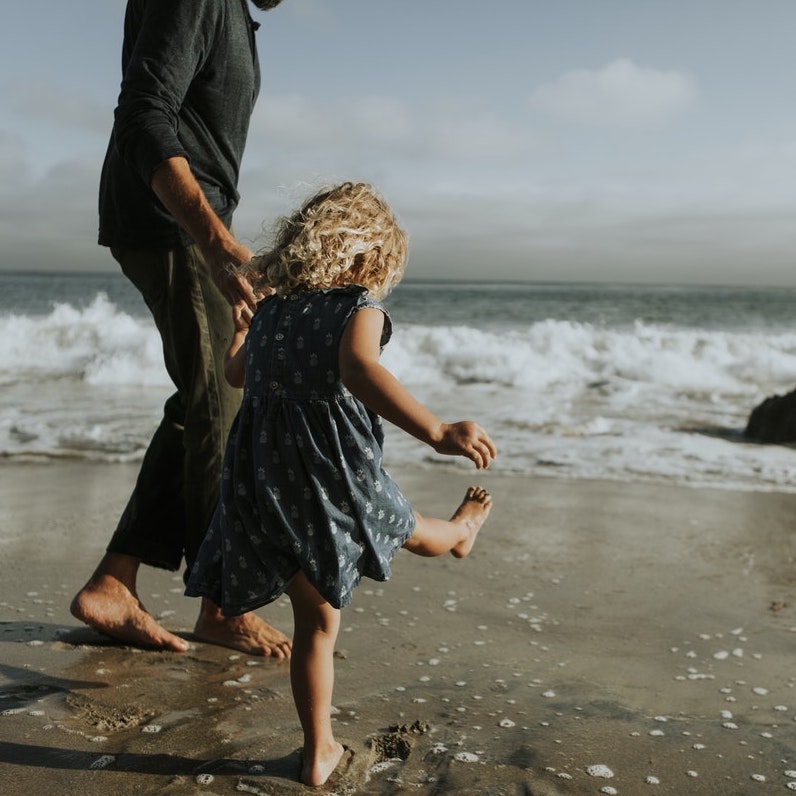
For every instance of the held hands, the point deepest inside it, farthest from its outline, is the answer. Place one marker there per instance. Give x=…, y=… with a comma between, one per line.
x=177, y=188
x=233, y=287
x=238, y=293
x=242, y=313
x=466, y=438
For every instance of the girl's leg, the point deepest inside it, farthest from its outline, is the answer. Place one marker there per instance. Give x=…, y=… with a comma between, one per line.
x=433, y=537
x=316, y=624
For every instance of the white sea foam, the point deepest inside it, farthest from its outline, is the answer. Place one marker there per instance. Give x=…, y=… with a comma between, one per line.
x=96, y=345
x=572, y=399
x=566, y=398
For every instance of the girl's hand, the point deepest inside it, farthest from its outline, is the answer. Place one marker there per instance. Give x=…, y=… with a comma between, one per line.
x=468, y=439
x=241, y=317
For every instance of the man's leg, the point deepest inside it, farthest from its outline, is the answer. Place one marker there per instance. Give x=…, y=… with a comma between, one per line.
x=109, y=603
x=178, y=486
x=152, y=528
x=212, y=405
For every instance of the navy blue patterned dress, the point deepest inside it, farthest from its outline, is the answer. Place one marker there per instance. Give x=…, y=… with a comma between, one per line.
x=303, y=484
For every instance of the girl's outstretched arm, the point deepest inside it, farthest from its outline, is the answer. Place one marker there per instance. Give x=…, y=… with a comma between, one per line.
x=374, y=385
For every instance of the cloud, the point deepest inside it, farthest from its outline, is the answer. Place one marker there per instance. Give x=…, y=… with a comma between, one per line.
x=619, y=94
x=12, y=159
x=383, y=129
x=51, y=221
x=311, y=14
x=383, y=119
x=472, y=133
x=46, y=102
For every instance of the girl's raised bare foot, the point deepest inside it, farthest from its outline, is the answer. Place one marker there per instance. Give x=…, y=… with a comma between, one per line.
x=317, y=768
x=471, y=514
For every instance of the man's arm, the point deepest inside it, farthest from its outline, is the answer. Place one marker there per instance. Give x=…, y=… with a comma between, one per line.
x=175, y=185
x=170, y=47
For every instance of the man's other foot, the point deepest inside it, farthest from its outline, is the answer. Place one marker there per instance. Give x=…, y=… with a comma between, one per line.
x=246, y=633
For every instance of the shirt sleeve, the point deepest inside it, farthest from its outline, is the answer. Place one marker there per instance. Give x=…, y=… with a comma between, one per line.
x=173, y=41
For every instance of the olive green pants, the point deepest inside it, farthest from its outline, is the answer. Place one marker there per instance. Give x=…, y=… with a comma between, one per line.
x=178, y=486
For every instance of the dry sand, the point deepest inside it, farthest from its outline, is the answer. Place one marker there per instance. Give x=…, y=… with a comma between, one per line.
x=646, y=632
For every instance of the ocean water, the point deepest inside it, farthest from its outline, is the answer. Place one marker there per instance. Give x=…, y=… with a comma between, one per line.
x=571, y=380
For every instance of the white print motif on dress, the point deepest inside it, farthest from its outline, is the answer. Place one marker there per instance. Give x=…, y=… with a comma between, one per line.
x=328, y=459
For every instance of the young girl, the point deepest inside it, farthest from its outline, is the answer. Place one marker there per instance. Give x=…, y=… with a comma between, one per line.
x=306, y=507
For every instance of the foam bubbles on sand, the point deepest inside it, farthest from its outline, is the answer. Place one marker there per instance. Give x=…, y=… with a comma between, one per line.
x=103, y=762
x=242, y=680
x=466, y=757
x=381, y=766
x=721, y=655
x=599, y=770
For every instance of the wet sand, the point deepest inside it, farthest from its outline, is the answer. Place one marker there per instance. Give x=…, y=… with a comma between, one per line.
x=638, y=631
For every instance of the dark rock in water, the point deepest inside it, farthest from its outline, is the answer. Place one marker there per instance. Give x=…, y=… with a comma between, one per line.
x=774, y=420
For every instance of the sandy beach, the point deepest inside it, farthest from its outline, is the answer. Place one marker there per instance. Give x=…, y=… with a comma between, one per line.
x=602, y=638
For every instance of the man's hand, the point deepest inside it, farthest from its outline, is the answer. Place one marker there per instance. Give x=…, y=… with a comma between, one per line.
x=175, y=185
x=233, y=287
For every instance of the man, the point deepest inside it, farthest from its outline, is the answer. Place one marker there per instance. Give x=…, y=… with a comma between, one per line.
x=167, y=193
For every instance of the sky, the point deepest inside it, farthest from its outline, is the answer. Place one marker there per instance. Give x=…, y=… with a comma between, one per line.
x=647, y=141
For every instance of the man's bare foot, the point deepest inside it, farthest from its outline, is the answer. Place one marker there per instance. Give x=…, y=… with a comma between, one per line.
x=112, y=608
x=472, y=514
x=245, y=633
x=316, y=769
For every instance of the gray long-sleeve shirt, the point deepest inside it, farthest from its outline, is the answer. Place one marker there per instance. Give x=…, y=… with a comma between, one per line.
x=190, y=80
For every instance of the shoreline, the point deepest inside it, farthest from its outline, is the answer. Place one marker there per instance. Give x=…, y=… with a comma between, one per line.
x=646, y=628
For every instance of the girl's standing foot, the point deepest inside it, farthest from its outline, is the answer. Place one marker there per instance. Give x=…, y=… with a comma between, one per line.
x=317, y=767
x=315, y=627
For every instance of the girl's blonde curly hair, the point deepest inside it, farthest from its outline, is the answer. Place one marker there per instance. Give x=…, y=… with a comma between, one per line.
x=341, y=236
